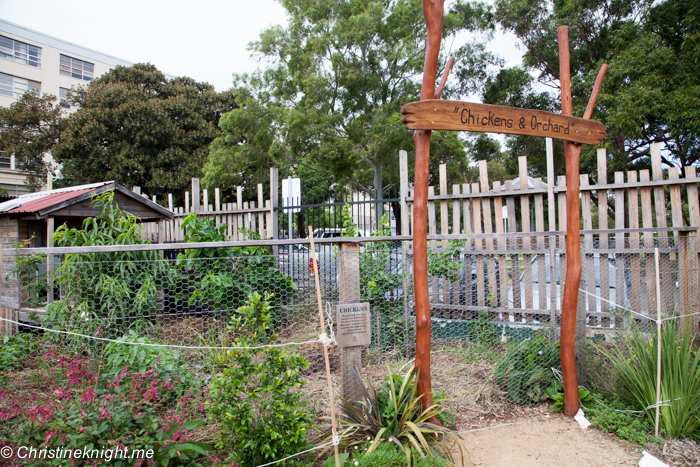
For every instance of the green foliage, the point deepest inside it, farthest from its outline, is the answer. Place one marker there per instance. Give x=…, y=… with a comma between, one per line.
x=31, y=272
x=137, y=127
x=257, y=399
x=393, y=414
x=525, y=371
x=648, y=93
x=446, y=262
x=31, y=126
x=635, y=359
x=139, y=358
x=389, y=455
x=13, y=352
x=107, y=293
x=337, y=75
x=483, y=331
x=349, y=227
x=222, y=278
x=621, y=419
x=556, y=393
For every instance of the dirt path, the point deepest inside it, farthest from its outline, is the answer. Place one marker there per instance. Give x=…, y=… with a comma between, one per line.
x=550, y=440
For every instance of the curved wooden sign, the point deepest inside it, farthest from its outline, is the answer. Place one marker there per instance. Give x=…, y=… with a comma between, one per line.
x=485, y=118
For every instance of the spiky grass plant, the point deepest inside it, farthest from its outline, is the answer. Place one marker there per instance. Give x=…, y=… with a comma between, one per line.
x=393, y=414
x=635, y=359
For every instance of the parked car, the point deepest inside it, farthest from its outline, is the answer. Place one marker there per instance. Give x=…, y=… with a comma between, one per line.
x=600, y=305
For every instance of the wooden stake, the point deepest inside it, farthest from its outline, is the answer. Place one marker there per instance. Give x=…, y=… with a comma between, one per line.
x=325, y=348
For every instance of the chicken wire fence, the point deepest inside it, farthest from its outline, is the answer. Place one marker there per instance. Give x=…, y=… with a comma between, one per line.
x=495, y=311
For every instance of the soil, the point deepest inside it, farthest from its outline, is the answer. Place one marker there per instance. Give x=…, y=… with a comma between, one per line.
x=557, y=441
x=550, y=440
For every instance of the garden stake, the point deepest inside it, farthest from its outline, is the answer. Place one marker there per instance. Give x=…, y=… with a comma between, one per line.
x=572, y=152
x=658, y=343
x=325, y=348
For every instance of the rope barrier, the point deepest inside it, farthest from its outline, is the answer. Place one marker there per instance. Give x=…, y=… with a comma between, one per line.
x=320, y=340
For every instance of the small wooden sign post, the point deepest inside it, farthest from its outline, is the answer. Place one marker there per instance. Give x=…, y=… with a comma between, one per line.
x=432, y=114
x=354, y=327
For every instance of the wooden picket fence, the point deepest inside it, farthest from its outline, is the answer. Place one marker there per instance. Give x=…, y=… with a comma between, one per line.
x=517, y=230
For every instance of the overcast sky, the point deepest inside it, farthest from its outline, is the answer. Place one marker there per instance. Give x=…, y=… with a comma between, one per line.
x=204, y=39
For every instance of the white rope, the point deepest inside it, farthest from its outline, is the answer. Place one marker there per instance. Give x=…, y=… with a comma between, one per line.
x=172, y=346
x=331, y=443
x=617, y=305
x=325, y=340
x=636, y=313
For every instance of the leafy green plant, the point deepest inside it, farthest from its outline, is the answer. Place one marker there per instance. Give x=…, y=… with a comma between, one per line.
x=394, y=415
x=106, y=293
x=445, y=261
x=257, y=399
x=525, y=371
x=31, y=272
x=483, y=331
x=389, y=455
x=635, y=358
x=13, y=352
x=556, y=393
x=222, y=278
x=139, y=358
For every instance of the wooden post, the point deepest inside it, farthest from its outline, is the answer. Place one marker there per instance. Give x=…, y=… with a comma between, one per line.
x=433, y=13
x=274, y=191
x=196, y=207
x=573, y=240
x=403, y=194
x=349, y=292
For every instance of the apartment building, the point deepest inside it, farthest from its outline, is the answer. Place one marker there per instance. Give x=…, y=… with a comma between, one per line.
x=32, y=60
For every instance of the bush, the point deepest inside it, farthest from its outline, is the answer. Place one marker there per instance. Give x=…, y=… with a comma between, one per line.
x=13, y=352
x=389, y=455
x=635, y=360
x=139, y=358
x=393, y=415
x=257, y=399
x=82, y=411
x=525, y=371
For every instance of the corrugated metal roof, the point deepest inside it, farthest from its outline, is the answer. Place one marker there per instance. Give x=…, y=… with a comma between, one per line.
x=35, y=202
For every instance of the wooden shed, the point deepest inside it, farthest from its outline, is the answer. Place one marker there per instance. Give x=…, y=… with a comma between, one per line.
x=33, y=216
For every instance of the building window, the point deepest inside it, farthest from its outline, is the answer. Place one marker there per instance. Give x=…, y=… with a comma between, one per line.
x=13, y=86
x=5, y=163
x=20, y=52
x=77, y=68
x=63, y=98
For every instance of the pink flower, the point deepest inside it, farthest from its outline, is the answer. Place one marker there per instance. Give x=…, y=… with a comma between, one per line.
x=82, y=429
x=104, y=412
x=89, y=394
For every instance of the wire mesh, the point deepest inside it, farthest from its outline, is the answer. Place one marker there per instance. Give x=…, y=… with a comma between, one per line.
x=495, y=309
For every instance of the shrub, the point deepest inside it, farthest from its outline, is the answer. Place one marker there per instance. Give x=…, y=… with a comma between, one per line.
x=635, y=360
x=13, y=352
x=257, y=399
x=525, y=371
x=82, y=411
x=389, y=455
x=139, y=358
x=393, y=415
x=106, y=293
x=222, y=278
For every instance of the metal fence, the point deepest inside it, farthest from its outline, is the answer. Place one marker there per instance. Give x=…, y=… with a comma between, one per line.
x=495, y=309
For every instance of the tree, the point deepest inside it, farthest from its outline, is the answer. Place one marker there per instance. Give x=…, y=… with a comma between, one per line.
x=335, y=81
x=650, y=92
x=31, y=126
x=138, y=128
